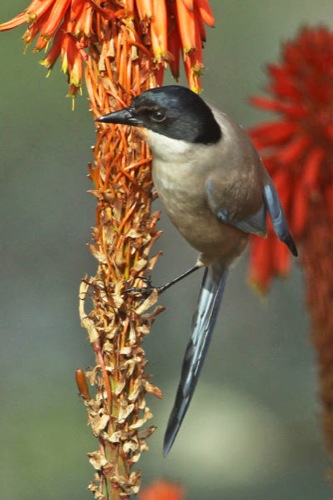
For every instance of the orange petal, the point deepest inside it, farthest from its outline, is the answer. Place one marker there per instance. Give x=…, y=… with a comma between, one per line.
x=174, y=50
x=34, y=29
x=158, y=30
x=186, y=27
x=84, y=22
x=16, y=21
x=77, y=7
x=55, y=17
x=38, y=7
x=54, y=51
x=200, y=25
x=129, y=6
x=206, y=12
x=188, y=4
x=145, y=9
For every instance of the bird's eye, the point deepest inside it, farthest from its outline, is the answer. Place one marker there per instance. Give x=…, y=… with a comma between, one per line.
x=158, y=115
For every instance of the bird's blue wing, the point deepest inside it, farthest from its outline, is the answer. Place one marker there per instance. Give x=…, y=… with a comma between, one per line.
x=256, y=223
x=277, y=216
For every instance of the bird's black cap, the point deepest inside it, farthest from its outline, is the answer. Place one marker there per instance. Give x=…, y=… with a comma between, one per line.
x=173, y=111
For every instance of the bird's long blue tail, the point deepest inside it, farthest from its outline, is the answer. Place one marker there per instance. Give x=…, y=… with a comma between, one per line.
x=204, y=319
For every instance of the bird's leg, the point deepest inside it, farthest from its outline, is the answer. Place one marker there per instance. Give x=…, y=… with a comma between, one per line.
x=164, y=287
x=160, y=289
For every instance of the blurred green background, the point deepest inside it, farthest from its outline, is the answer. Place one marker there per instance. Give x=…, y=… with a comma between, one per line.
x=253, y=429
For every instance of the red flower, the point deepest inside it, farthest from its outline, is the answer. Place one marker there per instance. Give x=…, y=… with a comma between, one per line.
x=297, y=150
x=162, y=490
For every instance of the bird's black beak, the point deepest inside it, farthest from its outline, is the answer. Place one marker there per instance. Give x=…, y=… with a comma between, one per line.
x=123, y=117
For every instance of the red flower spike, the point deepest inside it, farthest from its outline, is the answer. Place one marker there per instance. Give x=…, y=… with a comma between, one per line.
x=297, y=149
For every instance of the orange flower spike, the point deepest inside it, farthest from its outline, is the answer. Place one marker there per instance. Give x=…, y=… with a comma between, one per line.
x=186, y=27
x=206, y=12
x=158, y=30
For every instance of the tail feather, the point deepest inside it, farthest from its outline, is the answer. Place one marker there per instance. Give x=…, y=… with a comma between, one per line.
x=204, y=320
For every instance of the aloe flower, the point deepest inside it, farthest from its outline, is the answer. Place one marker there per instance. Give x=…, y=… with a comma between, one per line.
x=67, y=29
x=297, y=149
x=119, y=48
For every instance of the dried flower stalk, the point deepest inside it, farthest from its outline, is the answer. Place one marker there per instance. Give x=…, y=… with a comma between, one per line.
x=122, y=48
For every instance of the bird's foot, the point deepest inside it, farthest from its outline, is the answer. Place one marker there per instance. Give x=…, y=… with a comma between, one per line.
x=142, y=291
x=146, y=290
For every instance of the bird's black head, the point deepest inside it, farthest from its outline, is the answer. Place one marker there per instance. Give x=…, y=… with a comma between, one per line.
x=173, y=111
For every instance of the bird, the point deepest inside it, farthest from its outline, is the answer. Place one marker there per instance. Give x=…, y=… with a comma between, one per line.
x=216, y=191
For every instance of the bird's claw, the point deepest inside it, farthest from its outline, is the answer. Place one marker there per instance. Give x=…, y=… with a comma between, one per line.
x=143, y=291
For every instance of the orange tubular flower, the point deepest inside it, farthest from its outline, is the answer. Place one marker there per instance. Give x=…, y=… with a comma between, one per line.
x=298, y=152
x=120, y=48
x=172, y=26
